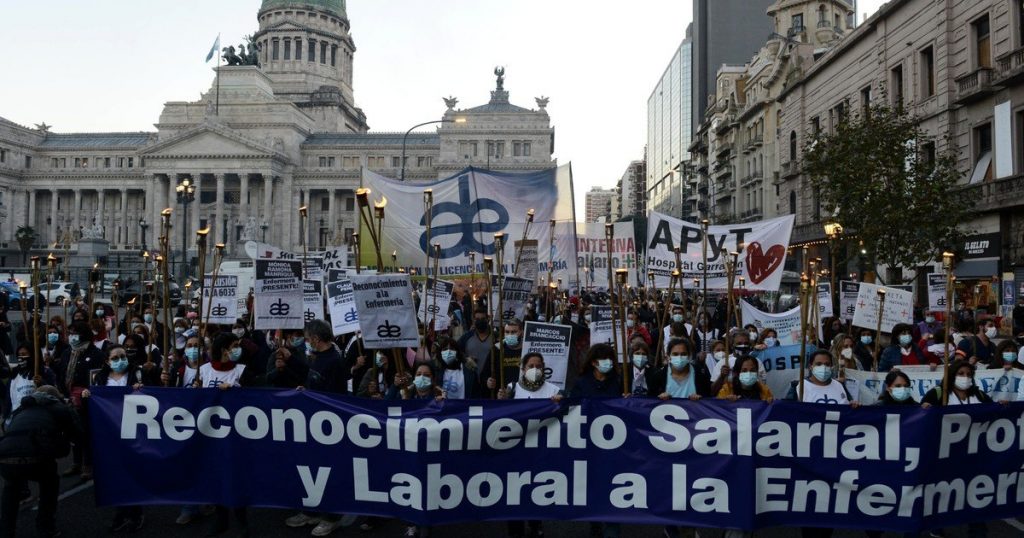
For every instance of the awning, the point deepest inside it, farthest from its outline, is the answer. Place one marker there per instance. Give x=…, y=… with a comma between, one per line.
x=985, y=268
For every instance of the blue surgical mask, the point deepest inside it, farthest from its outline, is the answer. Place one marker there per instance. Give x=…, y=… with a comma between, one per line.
x=511, y=340
x=677, y=318
x=52, y=338
x=639, y=360
x=192, y=353
x=747, y=379
x=73, y=339
x=148, y=318
x=679, y=362
x=378, y=360
x=1009, y=356
x=421, y=382
x=630, y=323
x=298, y=341
x=900, y=394
x=99, y=312
x=770, y=341
x=119, y=365
x=604, y=365
x=905, y=340
x=309, y=348
x=866, y=340
x=235, y=354
x=822, y=373
x=929, y=319
x=448, y=355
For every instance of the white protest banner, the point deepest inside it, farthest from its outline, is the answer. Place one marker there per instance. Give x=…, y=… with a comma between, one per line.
x=552, y=341
x=999, y=384
x=825, y=300
x=848, y=298
x=592, y=249
x=515, y=294
x=278, y=294
x=786, y=324
x=387, y=317
x=223, y=303
x=434, y=303
x=312, y=299
x=527, y=255
x=936, y=292
x=335, y=258
x=898, y=308
x=263, y=251
x=469, y=208
x=781, y=367
x=342, y=304
x=760, y=261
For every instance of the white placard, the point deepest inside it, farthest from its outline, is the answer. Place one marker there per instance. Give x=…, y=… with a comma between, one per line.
x=514, y=297
x=223, y=303
x=552, y=341
x=335, y=258
x=312, y=299
x=848, y=298
x=936, y=292
x=996, y=382
x=387, y=316
x=278, y=294
x=898, y=308
x=786, y=324
x=825, y=300
x=434, y=303
x=344, y=316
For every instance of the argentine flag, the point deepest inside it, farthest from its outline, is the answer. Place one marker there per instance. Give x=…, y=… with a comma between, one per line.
x=213, y=49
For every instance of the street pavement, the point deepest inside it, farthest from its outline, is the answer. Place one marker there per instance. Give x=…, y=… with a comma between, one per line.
x=77, y=516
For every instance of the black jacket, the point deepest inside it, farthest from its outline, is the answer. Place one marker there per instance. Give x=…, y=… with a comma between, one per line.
x=588, y=386
x=657, y=380
x=43, y=427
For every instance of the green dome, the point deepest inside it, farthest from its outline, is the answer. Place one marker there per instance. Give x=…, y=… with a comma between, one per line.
x=334, y=6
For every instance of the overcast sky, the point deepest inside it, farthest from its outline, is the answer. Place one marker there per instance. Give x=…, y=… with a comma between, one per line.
x=109, y=65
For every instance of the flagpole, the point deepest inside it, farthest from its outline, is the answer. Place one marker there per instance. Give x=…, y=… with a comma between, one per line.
x=217, y=52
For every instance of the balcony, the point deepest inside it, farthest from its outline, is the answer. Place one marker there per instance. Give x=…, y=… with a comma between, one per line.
x=1011, y=66
x=755, y=141
x=975, y=85
x=751, y=179
x=995, y=195
x=751, y=215
x=789, y=169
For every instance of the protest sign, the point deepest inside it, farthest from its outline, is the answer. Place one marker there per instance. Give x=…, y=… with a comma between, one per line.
x=514, y=297
x=825, y=309
x=340, y=300
x=312, y=299
x=434, y=303
x=335, y=258
x=222, y=298
x=552, y=341
x=761, y=261
x=278, y=294
x=848, y=299
x=740, y=465
x=387, y=317
x=786, y=324
x=898, y=308
x=936, y=292
x=528, y=263
x=312, y=267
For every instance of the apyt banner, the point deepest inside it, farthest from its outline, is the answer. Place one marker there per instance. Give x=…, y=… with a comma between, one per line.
x=711, y=463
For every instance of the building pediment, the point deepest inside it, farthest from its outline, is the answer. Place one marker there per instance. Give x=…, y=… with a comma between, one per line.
x=210, y=140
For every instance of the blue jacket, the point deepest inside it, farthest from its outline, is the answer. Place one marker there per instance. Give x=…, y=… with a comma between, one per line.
x=892, y=357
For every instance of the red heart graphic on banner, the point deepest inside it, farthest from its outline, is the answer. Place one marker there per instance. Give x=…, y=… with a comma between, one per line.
x=761, y=265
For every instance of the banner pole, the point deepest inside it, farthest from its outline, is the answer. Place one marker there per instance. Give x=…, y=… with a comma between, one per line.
x=947, y=265
x=704, y=298
x=499, y=249
x=201, y=250
x=664, y=313
x=878, y=328
x=609, y=232
x=804, y=285
x=522, y=242
x=428, y=216
x=488, y=266
x=621, y=276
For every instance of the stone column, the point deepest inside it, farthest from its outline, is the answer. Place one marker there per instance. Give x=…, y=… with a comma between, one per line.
x=268, y=194
x=243, y=199
x=76, y=211
x=53, y=214
x=31, y=219
x=332, y=215
x=123, y=239
x=194, y=209
x=287, y=206
x=218, y=227
x=101, y=215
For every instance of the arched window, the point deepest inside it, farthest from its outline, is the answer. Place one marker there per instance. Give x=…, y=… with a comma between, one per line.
x=792, y=146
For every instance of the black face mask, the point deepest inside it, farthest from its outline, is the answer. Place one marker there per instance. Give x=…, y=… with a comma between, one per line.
x=131, y=354
x=481, y=325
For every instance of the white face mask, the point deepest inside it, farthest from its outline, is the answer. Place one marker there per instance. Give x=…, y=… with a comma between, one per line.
x=991, y=332
x=534, y=375
x=847, y=353
x=963, y=382
x=719, y=355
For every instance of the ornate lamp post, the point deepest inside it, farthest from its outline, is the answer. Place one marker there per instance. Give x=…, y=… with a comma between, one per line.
x=833, y=230
x=144, y=226
x=263, y=230
x=186, y=194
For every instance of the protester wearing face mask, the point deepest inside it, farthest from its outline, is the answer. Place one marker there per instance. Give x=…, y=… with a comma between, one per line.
x=183, y=373
x=477, y=344
x=722, y=370
x=863, y=348
x=23, y=382
x=929, y=326
x=898, y=390
x=685, y=330
x=86, y=355
x=531, y=382
x=768, y=338
x=223, y=370
x=55, y=352
x=641, y=363
x=676, y=330
x=634, y=328
x=511, y=347
x=681, y=377
x=458, y=376
x=980, y=348
x=819, y=386
x=745, y=382
x=842, y=349
x=598, y=375
x=120, y=372
x=902, y=351
x=179, y=338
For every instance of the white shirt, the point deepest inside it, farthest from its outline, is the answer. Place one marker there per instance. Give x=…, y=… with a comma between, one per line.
x=213, y=378
x=189, y=378
x=21, y=386
x=547, y=390
x=955, y=400
x=453, y=382
x=833, y=393
x=123, y=382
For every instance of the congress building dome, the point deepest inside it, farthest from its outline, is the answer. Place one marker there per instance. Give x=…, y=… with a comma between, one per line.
x=334, y=6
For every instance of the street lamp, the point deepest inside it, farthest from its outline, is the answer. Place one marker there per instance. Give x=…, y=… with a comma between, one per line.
x=144, y=225
x=263, y=230
x=406, y=137
x=833, y=230
x=186, y=193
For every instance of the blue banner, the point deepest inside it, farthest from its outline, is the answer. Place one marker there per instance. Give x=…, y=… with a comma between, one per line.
x=707, y=463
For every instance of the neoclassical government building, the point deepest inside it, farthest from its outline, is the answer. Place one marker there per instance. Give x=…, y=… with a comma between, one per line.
x=262, y=141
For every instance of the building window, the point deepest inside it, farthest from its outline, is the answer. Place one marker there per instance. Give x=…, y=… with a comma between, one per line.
x=865, y=101
x=323, y=52
x=982, y=43
x=815, y=126
x=982, y=153
x=928, y=72
x=927, y=155
x=287, y=48
x=325, y=203
x=349, y=163
x=298, y=48
x=311, y=53
x=28, y=161
x=350, y=205
x=424, y=162
x=526, y=149
x=1019, y=6
x=798, y=23
x=334, y=54
x=274, y=49
x=131, y=162
x=792, y=146
x=896, y=85
x=3, y=155
x=517, y=149
x=326, y=162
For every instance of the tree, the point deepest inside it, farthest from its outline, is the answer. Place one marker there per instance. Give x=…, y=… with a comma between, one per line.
x=26, y=237
x=881, y=178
